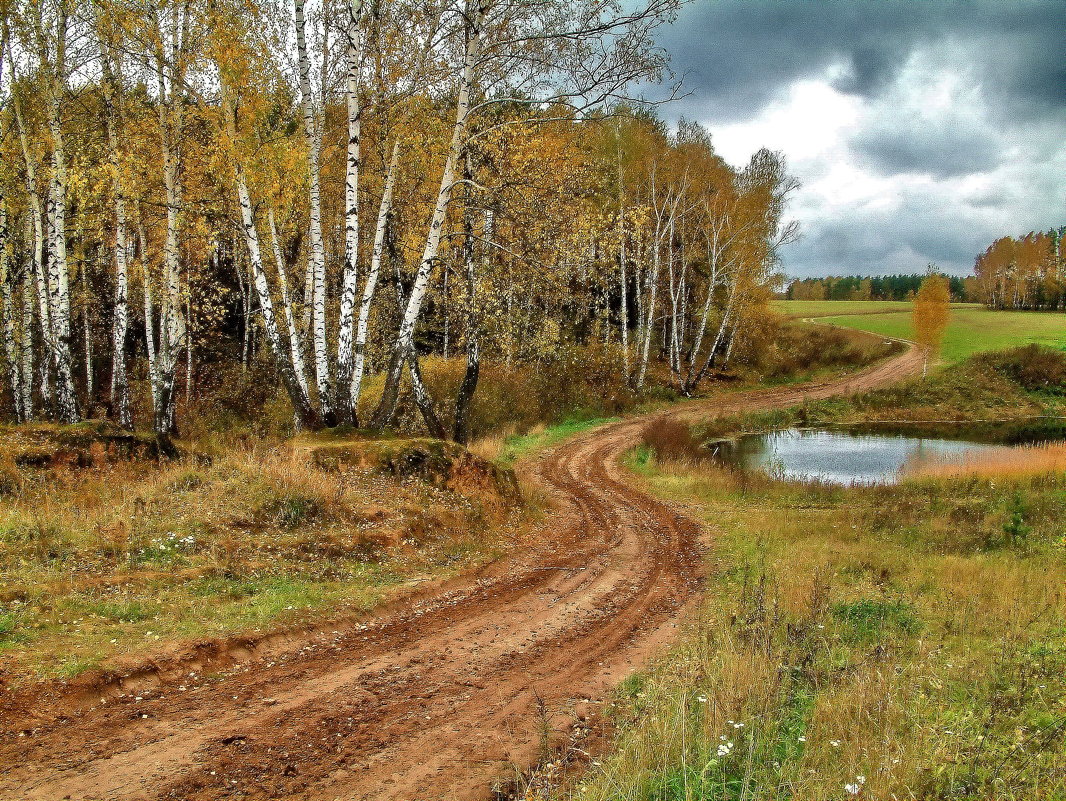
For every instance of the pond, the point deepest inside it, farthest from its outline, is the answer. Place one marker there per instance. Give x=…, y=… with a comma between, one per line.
x=842, y=457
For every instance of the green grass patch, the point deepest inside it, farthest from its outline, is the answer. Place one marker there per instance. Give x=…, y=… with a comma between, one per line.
x=856, y=643
x=871, y=618
x=825, y=308
x=520, y=446
x=121, y=561
x=972, y=329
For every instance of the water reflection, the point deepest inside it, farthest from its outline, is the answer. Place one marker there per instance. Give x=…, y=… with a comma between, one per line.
x=838, y=457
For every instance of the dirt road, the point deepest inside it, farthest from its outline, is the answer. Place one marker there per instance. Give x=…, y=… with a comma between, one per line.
x=438, y=698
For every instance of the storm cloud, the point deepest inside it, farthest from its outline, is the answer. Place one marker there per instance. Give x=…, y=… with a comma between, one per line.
x=920, y=130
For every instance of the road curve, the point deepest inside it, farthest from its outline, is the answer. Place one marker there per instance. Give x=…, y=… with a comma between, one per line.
x=438, y=698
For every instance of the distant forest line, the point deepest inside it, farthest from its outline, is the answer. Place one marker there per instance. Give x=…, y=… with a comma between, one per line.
x=1025, y=272
x=885, y=287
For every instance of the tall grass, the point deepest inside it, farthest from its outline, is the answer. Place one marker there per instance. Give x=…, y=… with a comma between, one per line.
x=896, y=642
x=104, y=561
x=1021, y=460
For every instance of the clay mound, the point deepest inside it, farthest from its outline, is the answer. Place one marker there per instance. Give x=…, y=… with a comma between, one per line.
x=445, y=465
x=91, y=443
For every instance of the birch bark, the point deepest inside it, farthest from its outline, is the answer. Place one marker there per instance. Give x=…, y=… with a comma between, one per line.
x=404, y=342
x=110, y=86
x=54, y=69
x=468, y=386
x=170, y=74
x=652, y=278
x=295, y=343
x=26, y=382
x=37, y=236
x=7, y=302
x=316, y=254
x=345, y=343
x=370, y=286
x=149, y=314
x=305, y=413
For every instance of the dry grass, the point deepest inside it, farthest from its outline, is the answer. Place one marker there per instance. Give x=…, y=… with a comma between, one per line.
x=1024, y=460
x=491, y=446
x=911, y=636
x=101, y=562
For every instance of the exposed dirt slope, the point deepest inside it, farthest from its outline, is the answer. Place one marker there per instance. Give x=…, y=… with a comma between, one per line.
x=436, y=699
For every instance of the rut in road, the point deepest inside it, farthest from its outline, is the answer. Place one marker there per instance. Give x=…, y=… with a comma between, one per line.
x=437, y=699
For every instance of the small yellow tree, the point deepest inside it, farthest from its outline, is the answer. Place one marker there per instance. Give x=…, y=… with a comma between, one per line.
x=932, y=308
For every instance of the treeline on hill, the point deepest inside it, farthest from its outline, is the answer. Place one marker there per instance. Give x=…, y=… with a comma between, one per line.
x=195, y=189
x=884, y=287
x=1027, y=272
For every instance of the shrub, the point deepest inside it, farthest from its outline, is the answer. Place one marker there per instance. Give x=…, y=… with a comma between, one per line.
x=1033, y=367
x=671, y=440
x=793, y=350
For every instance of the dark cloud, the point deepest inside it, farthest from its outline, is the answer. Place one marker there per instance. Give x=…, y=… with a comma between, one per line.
x=930, y=148
x=901, y=241
x=735, y=55
x=944, y=177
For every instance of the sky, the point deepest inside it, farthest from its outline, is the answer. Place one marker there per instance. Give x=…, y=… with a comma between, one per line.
x=921, y=130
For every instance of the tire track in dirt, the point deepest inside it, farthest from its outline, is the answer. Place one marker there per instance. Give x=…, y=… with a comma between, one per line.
x=437, y=699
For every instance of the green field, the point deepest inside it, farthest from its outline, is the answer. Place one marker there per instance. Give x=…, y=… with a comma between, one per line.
x=827, y=308
x=972, y=329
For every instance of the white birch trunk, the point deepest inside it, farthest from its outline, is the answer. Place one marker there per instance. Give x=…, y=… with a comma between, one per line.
x=349, y=287
x=713, y=254
x=26, y=382
x=295, y=343
x=302, y=404
x=649, y=313
x=6, y=301
x=370, y=286
x=90, y=385
x=149, y=317
x=305, y=413
x=172, y=324
x=405, y=336
x=316, y=254
x=58, y=270
x=120, y=393
x=720, y=334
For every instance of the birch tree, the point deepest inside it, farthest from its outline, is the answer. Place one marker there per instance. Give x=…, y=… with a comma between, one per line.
x=575, y=56
x=168, y=31
x=316, y=271
x=234, y=68
x=111, y=90
x=353, y=50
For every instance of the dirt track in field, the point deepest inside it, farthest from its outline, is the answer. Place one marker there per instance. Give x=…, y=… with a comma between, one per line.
x=441, y=697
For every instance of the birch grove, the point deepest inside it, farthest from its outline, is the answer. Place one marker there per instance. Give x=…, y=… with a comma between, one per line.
x=339, y=196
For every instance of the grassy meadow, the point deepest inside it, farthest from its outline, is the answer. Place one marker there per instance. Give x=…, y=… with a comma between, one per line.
x=824, y=308
x=902, y=641
x=972, y=328
x=119, y=559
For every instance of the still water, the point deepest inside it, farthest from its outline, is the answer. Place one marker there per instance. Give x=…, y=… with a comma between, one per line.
x=838, y=457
